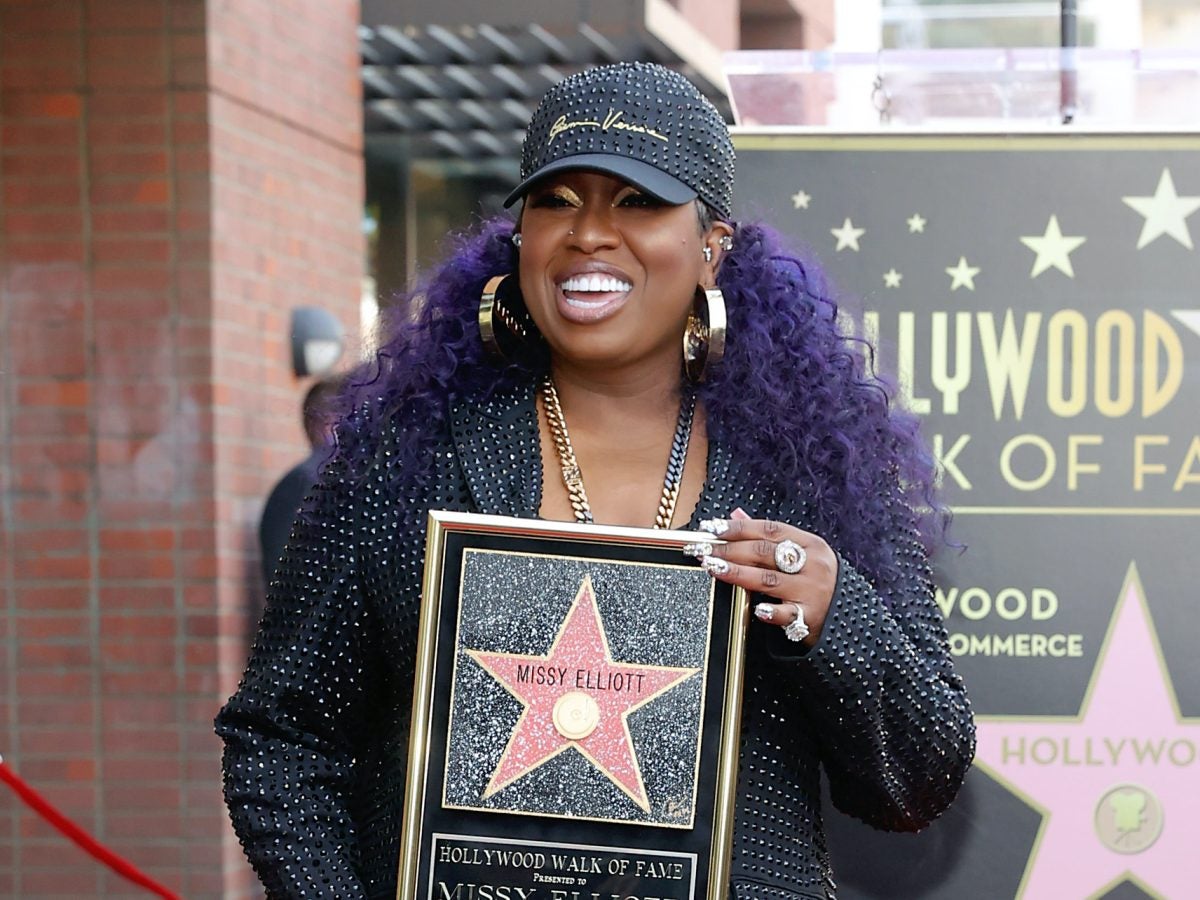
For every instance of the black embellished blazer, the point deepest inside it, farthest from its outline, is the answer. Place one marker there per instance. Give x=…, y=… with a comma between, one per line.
x=316, y=736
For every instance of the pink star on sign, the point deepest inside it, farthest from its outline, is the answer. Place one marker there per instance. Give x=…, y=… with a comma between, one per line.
x=577, y=696
x=1117, y=786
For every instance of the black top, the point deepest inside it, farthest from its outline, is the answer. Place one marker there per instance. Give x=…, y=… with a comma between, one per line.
x=316, y=735
x=281, y=507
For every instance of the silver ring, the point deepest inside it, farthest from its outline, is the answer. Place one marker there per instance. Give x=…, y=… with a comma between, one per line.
x=796, y=630
x=790, y=557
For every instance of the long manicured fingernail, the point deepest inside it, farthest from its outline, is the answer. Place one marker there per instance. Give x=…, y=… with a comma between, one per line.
x=698, y=550
x=714, y=526
x=739, y=513
x=765, y=611
x=714, y=565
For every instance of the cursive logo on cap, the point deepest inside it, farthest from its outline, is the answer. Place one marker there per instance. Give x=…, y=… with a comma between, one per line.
x=612, y=122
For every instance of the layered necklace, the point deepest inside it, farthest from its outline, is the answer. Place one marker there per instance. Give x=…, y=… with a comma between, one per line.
x=573, y=478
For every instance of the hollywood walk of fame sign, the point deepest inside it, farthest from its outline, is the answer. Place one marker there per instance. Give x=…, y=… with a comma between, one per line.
x=575, y=717
x=1033, y=296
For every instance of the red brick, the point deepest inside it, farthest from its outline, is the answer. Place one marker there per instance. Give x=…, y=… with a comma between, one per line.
x=48, y=349
x=122, y=741
x=53, y=482
x=51, y=684
x=62, y=598
x=153, y=568
x=126, y=133
x=123, y=46
x=117, y=540
x=35, y=451
x=41, y=74
x=40, y=711
x=148, y=654
x=112, y=190
x=140, y=683
x=128, y=73
x=45, y=251
x=36, y=193
x=54, y=393
x=187, y=14
x=128, y=305
x=136, y=597
x=60, y=739
x=140, y=824
x=143, y=768
x=137, y=627
x=55, y=222
x=55, y=281
x=189, y=46
x=53, y=656
x=38, y=135
x=47, y=15
x=34, y=541
x=129, y=105
x=131, y=220
x=189, y=72
x=107, y=251
x=53, y=628
x=127, y=15
x=29, y=104
x=121, y=713
x=41, y=164
x=103, y=162
x=43, y=770
x=67, y=879
x=193, y=161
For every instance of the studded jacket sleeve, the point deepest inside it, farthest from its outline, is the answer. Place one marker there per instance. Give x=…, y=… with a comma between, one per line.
x=889, y=714
x=288, y=765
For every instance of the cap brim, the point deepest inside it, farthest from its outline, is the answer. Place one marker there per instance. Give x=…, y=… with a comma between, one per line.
x=653, y=181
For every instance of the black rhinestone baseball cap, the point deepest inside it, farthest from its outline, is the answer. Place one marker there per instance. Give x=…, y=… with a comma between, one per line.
x=641, y=122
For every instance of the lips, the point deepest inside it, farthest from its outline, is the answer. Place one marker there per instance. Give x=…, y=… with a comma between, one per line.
x=592, y=294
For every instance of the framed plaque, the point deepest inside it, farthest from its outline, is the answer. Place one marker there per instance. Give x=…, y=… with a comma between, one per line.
x=575, y=716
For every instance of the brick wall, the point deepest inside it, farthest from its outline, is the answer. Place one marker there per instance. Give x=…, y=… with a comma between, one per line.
x=175, y=176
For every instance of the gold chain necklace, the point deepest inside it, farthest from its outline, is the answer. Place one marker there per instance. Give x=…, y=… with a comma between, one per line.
x=573, y=477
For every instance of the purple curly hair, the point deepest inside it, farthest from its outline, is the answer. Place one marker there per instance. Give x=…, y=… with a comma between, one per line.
x=795, y=397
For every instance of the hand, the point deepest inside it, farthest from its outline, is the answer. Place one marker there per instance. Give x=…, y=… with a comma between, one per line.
x=750, y=557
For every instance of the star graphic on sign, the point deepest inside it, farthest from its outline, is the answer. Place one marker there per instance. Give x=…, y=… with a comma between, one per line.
x=577, y=696
x=1116, y=804
x=891, y=278
x=962, y=275
x=1188, y=317
x=847, y=235
x=800, y=200
x=1166, y=212
x=1053, y=249
x=916, y=224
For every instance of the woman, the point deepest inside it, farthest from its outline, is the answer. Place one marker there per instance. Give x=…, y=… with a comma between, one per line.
x=605, y=365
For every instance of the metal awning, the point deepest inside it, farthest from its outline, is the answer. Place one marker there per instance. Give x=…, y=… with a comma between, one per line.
x=460, y=80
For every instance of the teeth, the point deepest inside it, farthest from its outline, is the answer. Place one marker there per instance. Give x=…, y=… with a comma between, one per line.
x=603, y=284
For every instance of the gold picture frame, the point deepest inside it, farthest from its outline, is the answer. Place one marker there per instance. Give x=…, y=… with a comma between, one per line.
x=576, y=714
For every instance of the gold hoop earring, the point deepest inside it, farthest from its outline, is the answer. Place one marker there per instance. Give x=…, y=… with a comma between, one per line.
x=504, y=322
x=704, y=336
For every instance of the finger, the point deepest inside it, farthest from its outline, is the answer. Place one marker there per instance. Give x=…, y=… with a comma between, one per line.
x=782, y=614
x=752, y=578
x=743, y=528
x=786, y=556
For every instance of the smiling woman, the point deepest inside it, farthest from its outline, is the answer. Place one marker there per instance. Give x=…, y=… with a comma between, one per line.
x=627, y=334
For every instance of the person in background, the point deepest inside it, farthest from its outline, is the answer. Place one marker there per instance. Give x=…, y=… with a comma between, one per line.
x=679, y=369
x=318, y=413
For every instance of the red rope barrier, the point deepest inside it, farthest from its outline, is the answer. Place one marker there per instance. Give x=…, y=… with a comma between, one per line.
x=69, y=829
